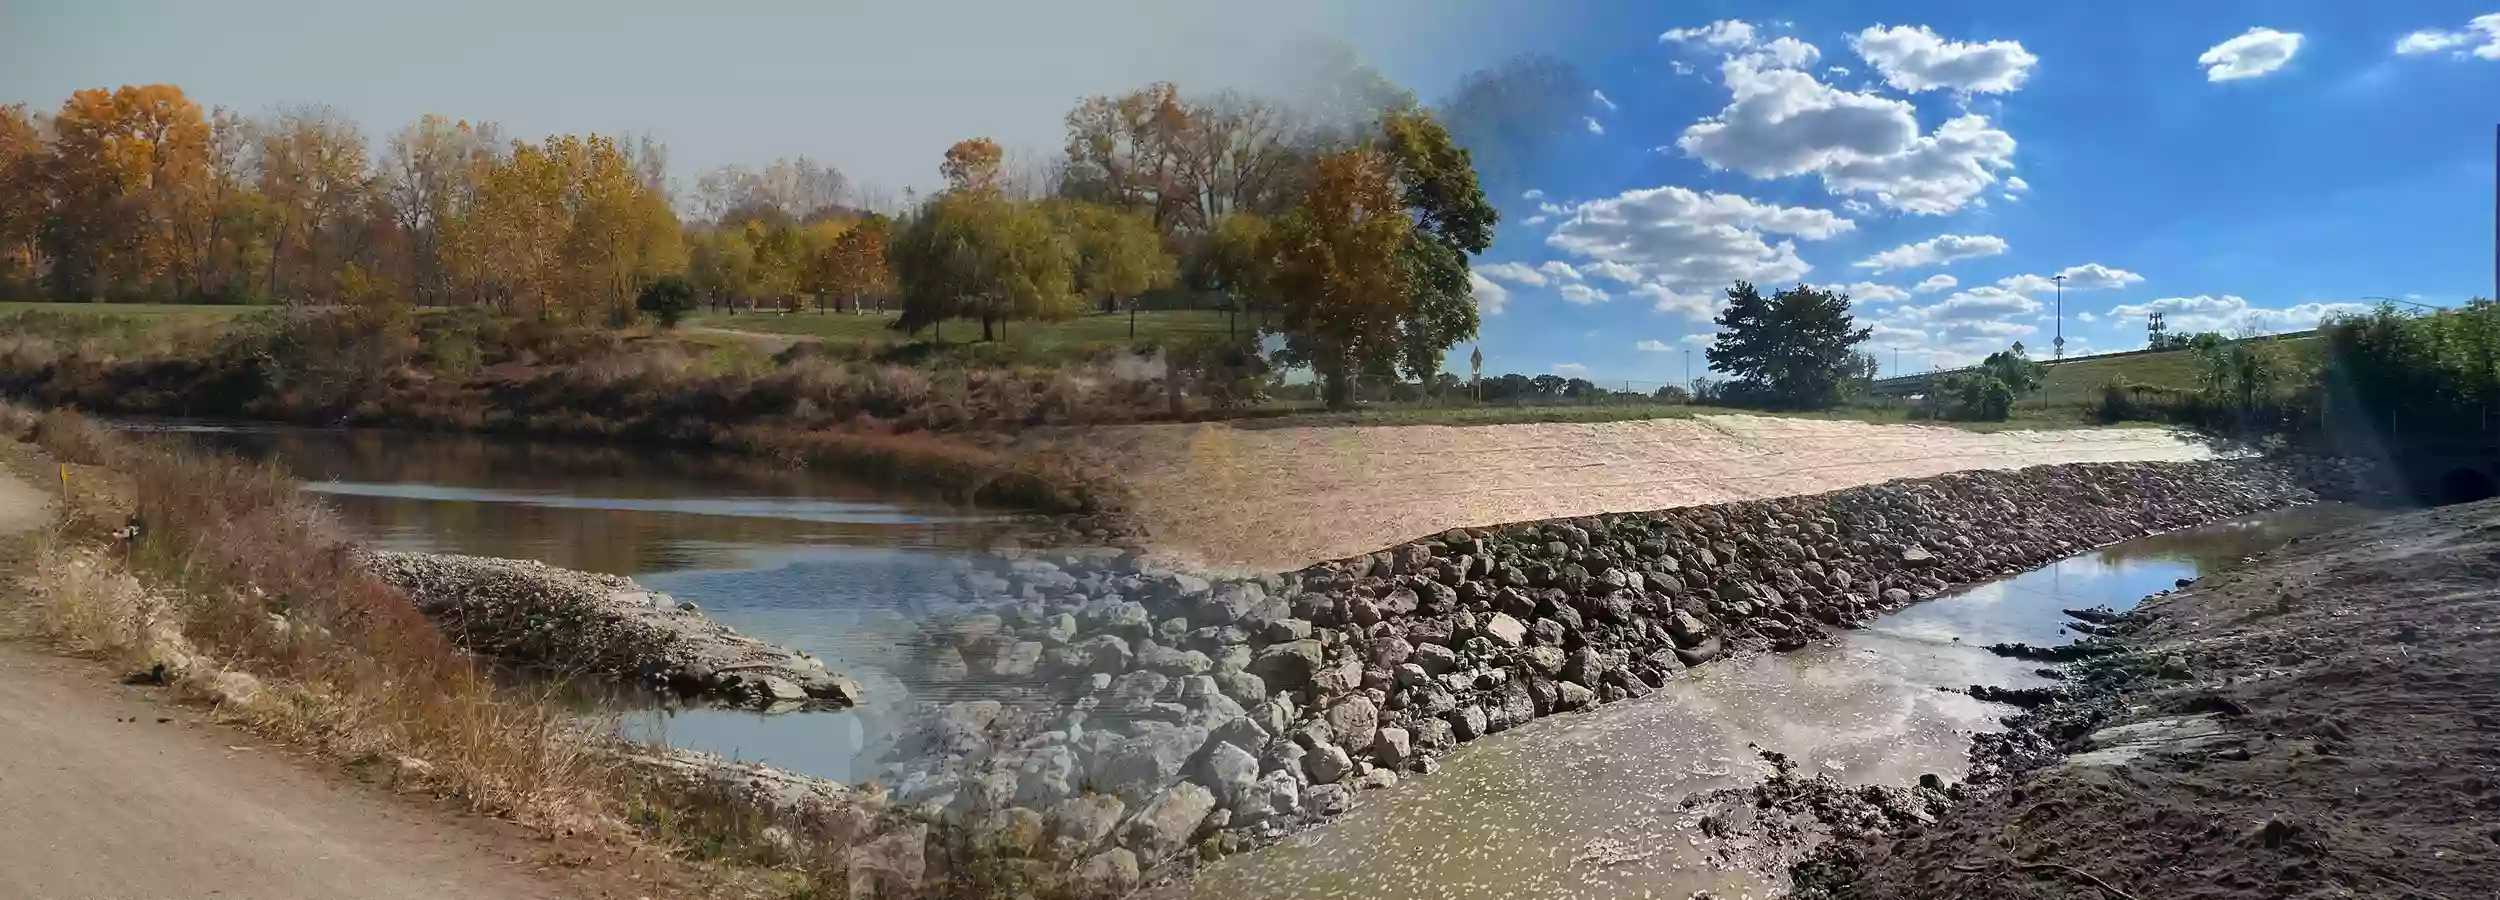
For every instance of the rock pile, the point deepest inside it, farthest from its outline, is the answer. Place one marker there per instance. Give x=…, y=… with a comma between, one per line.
x=1176, y=715
x=567, y=621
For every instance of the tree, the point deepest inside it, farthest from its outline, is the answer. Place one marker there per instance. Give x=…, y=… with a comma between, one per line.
x=1989, y=391
x=669, y=298
x=974, y=165
x=313, y=172
x=24, y=198
x=855, y=265
x=1511, y=116
x=122, y=165
x=1236, y=259
x=973, y=254
x=1118, y=254
x=1788, y=351
x=1338, y=275
x=1437, y=185
x=427, y=177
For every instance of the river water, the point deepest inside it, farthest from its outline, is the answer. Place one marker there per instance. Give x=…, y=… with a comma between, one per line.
x=1569, y=806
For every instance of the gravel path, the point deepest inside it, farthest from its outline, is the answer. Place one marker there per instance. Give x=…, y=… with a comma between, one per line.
x=1282, y=498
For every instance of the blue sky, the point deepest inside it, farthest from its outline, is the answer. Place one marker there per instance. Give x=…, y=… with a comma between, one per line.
x=2302, y=166
x=2294, y=169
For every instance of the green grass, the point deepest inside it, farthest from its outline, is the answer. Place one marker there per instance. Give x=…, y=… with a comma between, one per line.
x=1390, y=414
x=127, y=310
x=1025, y=341
x=2077, y=385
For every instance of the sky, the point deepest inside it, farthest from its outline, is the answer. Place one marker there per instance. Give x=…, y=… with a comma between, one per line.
x=2241, y=165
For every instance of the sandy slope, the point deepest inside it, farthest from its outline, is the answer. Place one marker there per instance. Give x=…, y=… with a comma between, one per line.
x=106, y=794
x=1271, y=499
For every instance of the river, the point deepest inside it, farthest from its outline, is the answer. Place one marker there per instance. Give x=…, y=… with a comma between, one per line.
x=1569, y=806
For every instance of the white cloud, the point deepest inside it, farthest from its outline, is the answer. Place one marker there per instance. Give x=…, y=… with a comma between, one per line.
x=1600, y=96
x=1699, y=304
x=1515, y=273
x=1558, y=270
x=1936, y=283
x=1532, y=194
x=1837, y=71
x=2016, y=184
x=1582, y=295
x=2086, y=277
x=1870, y=292
x=1697, y=340
x=2483, y=32
x=1681, y=67
x=1491, y=299
x=1611, y=269
x=1957, y=330
x=1786, y=53
x=1575, y=370
x=1916, y=59
x=1692, y=243
x=1782, y=122
x=2258, y=52
x=1594, y=126
x=2085, y=317
x=1721, y=34
x=1533, y=221
x=2232, y=315
x=1856, y=206
x=1943, y=249
x=1653, y=346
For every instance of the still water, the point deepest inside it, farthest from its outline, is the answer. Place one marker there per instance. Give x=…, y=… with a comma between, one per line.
x=1570, y=806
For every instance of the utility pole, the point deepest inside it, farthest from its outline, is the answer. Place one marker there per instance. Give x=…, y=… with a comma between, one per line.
x=2059, y=346
x=1688, y=369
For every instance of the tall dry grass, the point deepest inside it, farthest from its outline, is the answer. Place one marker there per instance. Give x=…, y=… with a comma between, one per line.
x=248, y=595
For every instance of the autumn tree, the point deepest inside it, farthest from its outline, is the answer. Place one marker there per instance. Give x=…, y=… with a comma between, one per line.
x=972, y=254
x=123, y=164
x=313, y=172
x=426, y=177
x=24, y=198
x=854, y=266
x=1337, y=274
x=974, y=165
x=1236, y=261
x=1437, y=183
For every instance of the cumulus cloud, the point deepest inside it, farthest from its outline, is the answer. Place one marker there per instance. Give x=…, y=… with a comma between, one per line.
x=1916, y=60
x=1532, y=194
x=1870, y=292
x=2480, y=38
x=1781, y=122
x=2086, y=317
x=1785, y=52
x=1558, y=270
x=1653, y=346
x=1697, y=340
x=1695, y=304
x=2086, y=277
x=2016, y=184
x=1721, y=34
x=1936, y=283
x=1855, y=206
x=1574, y=370
x=1600, y=97
x=1691, y=243
x=1578, y=294
x=2230, y=314
x=1515, y=273
x=1595, y=127
x=1533, y=221
x=2258, y=52
x=1491, y=299
x=1611, y=269
x=1943, y=249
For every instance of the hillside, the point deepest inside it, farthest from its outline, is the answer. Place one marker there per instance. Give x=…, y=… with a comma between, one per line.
x=2077, y=384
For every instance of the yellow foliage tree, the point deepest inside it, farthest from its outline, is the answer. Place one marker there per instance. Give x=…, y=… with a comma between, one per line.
x=1335, y=273
x=122, y=167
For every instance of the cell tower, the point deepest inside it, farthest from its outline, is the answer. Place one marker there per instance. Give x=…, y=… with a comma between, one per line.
x=2153, y=330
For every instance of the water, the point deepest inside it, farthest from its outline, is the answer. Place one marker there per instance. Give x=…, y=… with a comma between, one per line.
x=1585, y=805
x=1569, y=806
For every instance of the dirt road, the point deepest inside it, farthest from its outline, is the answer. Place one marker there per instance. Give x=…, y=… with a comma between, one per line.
x=107, y=793
x=1281, y=498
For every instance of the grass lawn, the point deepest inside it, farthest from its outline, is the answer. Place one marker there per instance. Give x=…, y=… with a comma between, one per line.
x=2077, y=385
x=1032, y=341
x=129, y=310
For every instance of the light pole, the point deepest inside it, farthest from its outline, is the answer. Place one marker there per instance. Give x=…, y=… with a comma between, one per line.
x=1688, y=370
x=2059, y=346
x=2406, y=302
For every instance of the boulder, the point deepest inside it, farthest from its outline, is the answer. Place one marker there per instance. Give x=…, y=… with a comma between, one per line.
x=1505, y=630
x=1084, y=821
x=1289, y=665
x=1325, y=800
x=1545, y=660
x=1168, y=822
x=1435, y=658
x=1274, y=794
x=1230, y=772
x=1467, y=722
x=1392, y=747
x=1111, y=873
x=1327, y=764
x=1353, y=721
x=1574, y=696
x=1686, y=630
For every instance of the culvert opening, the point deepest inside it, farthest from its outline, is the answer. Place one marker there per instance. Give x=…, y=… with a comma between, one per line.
x=2464, y=486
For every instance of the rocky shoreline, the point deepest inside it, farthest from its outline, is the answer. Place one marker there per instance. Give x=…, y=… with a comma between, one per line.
x=1155, y=717
x=573, y=622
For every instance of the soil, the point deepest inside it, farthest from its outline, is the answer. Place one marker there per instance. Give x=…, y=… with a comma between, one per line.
x=2324, y=722
x=1278, y=499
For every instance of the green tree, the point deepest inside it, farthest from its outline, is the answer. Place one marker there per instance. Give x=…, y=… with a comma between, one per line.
x=1989, y=391
x=1118, y=254
x=1337, y=276
x=1437, y=184
x=1787, y=351
x=667, y=298
x=972, y=254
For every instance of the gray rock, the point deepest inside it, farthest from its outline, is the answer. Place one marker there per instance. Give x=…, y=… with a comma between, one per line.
x=1548, y=660
x=1435, y=658
x=1392, y=747
x=1231, y=772
x=1505, y=630
x=1045, y=775
x=1246, y=689
x=1326, y=800
x=1917, y=557
x=1896, y=597
x=1466, y=722
x=1241, y=731
x=1135, y=767
x=1275, y=794
x=1353, y=720
x=1168, y=822
x=1060, y=629
x=1084, y=821
x=1337, y=678
x=1016, y=660
x=1175, y=663
x=1686, y=630
x=1327, y=764
x=1111, y=873
x=1289, y=665
x=1574, y=696
x=1288, y=630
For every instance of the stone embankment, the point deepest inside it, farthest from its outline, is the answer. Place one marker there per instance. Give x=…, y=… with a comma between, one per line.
x=582, y=622
x=1173, y=716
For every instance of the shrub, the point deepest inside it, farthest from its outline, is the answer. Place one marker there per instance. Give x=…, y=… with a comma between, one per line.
x=669, y=299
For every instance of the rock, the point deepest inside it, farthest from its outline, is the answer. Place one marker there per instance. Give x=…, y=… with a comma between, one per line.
x=1575, y=696
x=1337, y=678
x=1505, y=630
x=1466, y=722
x=1045, y=774
x=1896, y=597
x=1917, y=557
x=1014, y=831
x=1327, y=764
x=1084, y=821
x=1231, y=772
x=1588, y=666
x=1326, y=800
x=1016, y=660
x=1435, y=658
x=1547, y=660
x=1517, y=707
x=1389, y=652
x=1289, y=665
x=1168, y=822
x=1286, y=630
x=1353, y=720
x=1176, y=663
x=1135, y=767
x=1685, y=629
x=1244, y=732
x=1391, y=747
x=1246, y=689
x=1700, y=653
x=1111, y=873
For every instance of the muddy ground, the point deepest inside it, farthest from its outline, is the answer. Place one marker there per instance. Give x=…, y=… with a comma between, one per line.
x=2322, y=723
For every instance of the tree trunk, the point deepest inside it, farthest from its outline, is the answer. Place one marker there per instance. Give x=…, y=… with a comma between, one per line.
x=1337, y=385
x=986, y=334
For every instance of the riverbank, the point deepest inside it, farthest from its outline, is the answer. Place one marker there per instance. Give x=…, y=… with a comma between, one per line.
x=2317, y=724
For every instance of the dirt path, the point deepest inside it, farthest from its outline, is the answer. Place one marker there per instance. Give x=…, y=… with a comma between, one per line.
x=107, y=793
x=1281, y=498
x=2329, y=727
